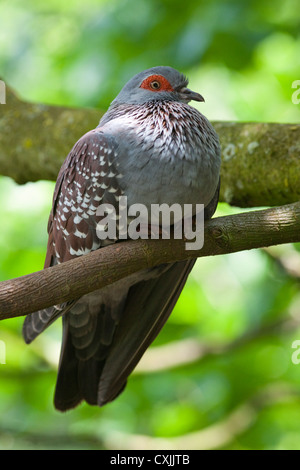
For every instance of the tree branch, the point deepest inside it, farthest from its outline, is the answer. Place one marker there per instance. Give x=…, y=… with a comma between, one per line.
x=215, y=436
x=261, y=164
x=71, y=280
x=36, y=138
x=183, y=352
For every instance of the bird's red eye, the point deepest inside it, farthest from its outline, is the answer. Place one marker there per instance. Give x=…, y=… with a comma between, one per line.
x=156, y=83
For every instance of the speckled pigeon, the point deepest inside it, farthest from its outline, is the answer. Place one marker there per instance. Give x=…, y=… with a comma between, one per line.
x=154, y=148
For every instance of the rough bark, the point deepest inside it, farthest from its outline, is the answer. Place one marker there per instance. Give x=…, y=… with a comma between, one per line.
x=253, y=229
x=261, y=164
x=36, y=138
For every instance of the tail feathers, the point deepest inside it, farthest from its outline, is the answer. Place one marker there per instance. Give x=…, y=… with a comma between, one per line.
x=67, y=393
x=77, y=379
x=83, y=355
x=149, y=305
x=36, y=322
x=100, y=376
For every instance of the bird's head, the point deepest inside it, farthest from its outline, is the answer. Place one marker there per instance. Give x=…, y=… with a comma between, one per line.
x=157, y=84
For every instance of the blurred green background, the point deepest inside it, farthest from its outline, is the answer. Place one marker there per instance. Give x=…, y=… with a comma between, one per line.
x=220, y=375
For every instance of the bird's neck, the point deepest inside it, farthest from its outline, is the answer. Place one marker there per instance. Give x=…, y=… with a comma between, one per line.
x=167, y=128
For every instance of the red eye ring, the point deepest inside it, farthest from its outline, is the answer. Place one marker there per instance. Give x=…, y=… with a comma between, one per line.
x=156, y=83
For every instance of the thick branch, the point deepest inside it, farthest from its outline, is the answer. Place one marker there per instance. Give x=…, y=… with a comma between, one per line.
x=261, y=164
x=36, y=138
x=75, y=278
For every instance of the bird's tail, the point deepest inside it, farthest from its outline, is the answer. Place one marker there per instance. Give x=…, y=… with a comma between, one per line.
x=96, y=371
x=77, y=379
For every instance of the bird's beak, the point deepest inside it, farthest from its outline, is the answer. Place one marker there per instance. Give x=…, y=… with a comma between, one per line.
x=188, y=95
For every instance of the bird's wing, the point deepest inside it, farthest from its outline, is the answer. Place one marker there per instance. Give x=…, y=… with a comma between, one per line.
x=87, y=178
x=211, y=207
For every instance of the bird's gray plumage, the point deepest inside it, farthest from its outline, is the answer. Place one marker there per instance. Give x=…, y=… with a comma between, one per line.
x=154, y=148
x=133, y=94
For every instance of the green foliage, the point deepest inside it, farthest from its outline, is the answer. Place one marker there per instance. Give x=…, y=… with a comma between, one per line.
x=240, y=55
x=243, y=57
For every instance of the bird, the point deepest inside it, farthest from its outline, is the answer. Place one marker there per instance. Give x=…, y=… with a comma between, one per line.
x=153, y=147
